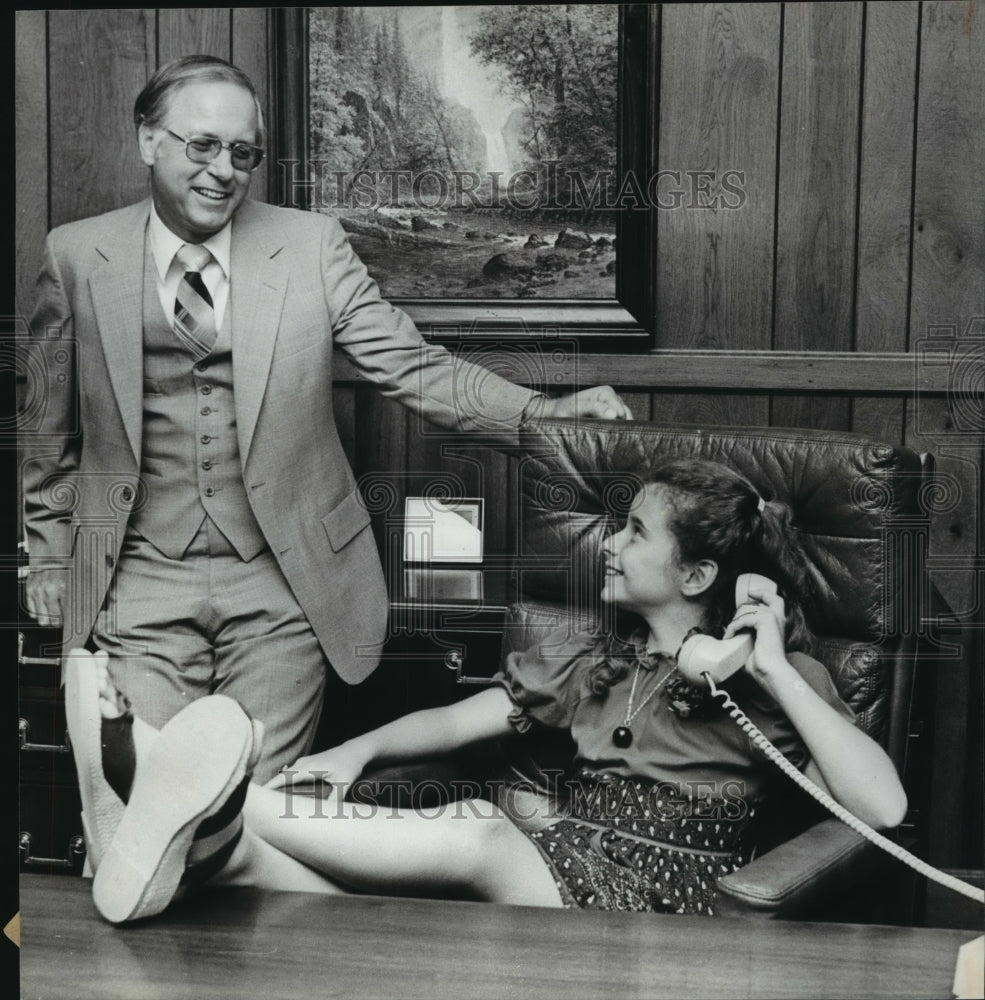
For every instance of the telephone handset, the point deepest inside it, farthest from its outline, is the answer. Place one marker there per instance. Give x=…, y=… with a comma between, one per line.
x=705, y=659
x=720, y=658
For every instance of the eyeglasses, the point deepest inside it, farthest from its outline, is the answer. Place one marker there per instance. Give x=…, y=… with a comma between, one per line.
x=204, y=149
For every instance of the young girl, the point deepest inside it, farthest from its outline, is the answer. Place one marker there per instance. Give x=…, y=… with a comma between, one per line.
x=667, y=785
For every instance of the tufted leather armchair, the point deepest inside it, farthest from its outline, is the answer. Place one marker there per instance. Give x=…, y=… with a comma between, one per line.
x=860, y=507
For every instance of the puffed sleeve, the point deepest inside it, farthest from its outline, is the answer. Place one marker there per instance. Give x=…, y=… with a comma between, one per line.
x=547, y=681
x=780, y=731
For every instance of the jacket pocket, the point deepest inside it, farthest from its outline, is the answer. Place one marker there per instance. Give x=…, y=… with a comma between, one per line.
x=345, y=520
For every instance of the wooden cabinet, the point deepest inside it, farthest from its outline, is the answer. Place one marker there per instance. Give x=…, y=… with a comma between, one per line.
x=50, y=830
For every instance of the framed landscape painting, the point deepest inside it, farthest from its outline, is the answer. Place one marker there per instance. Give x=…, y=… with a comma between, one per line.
x=484, y=160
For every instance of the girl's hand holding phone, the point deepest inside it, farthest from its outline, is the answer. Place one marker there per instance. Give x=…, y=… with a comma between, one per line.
x=763, y=613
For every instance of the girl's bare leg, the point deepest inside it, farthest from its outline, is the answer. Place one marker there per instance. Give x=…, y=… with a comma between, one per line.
x=256, y=863
x=466, y=847
x=297, y=843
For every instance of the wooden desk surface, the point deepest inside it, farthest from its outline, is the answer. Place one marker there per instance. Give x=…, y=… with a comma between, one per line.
x=243, y=943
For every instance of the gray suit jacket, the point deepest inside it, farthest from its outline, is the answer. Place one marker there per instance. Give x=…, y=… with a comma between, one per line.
x=297, y=293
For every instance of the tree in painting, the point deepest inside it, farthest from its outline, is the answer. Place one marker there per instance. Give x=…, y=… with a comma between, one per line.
x=446, y=140
x=561, y=66
x=371, y=110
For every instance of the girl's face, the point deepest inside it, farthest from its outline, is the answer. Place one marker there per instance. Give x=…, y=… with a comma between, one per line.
x=641, y=568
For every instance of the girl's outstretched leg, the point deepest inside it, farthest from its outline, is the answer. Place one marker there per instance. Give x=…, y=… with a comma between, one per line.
x=471, y=848
x=256, y=863
x=466, y=848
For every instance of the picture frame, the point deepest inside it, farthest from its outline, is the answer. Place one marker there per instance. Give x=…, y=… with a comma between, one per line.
x=443, y=531
x=623, y=322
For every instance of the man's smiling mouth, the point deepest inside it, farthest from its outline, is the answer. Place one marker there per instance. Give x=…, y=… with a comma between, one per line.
x=212, y=195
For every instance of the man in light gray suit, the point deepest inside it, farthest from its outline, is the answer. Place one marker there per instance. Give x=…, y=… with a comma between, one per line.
x=188, y=504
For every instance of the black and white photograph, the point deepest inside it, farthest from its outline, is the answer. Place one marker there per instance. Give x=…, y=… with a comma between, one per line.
x=498, y=499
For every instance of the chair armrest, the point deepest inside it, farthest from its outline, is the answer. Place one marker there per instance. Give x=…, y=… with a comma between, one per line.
x=793, y=878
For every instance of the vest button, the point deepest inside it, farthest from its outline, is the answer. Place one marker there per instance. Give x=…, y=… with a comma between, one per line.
x=205, y=411
x=201, y=367
x=206, y=389
x=207, y=464
x=205, y=438
x=209, y=491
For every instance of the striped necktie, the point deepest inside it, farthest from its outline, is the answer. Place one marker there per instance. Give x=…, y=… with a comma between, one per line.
x=194, y=315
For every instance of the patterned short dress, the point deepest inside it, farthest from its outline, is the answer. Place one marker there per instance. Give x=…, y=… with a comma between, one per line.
x=653, y=823
x=630, y=845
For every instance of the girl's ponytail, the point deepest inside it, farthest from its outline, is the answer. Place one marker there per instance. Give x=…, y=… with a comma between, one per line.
x=782, y=557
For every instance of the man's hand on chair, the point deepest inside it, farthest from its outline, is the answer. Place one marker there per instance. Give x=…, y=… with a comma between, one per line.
x=599, y=402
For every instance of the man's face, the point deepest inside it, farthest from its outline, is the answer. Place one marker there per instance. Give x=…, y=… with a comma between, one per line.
x=195, y=200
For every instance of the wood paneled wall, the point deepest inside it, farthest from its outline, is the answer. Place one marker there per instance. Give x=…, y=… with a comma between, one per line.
x=858, y=129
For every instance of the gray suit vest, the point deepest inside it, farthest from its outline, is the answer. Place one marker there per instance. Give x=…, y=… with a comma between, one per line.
x=190, y=460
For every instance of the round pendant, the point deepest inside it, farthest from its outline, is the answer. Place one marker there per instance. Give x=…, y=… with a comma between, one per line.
x=622, y=736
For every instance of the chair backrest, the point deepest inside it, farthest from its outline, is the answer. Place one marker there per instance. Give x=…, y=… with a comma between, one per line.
x=858, y=503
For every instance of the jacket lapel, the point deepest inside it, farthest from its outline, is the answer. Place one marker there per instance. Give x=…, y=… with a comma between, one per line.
x=258, y=284
x=117, y=287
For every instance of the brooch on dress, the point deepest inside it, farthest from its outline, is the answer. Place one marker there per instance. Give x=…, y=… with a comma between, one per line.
x=686, y=699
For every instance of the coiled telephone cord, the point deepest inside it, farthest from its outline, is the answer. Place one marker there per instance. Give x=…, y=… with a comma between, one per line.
x=900, y=853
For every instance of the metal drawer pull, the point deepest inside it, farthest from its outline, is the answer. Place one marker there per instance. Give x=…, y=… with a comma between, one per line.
x=42, y=661
x=24, y=727
x=76, y=848
x=455, y=660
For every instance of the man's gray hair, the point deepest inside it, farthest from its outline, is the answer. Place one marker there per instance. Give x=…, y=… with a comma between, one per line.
x=153, y=101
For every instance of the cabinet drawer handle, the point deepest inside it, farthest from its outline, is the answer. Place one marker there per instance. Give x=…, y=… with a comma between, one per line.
x=43, y=661
x=76, y=848
x=455, y=660
x=24, y=728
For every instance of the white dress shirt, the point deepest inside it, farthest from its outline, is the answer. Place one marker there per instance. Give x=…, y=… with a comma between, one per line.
x=164, y=245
